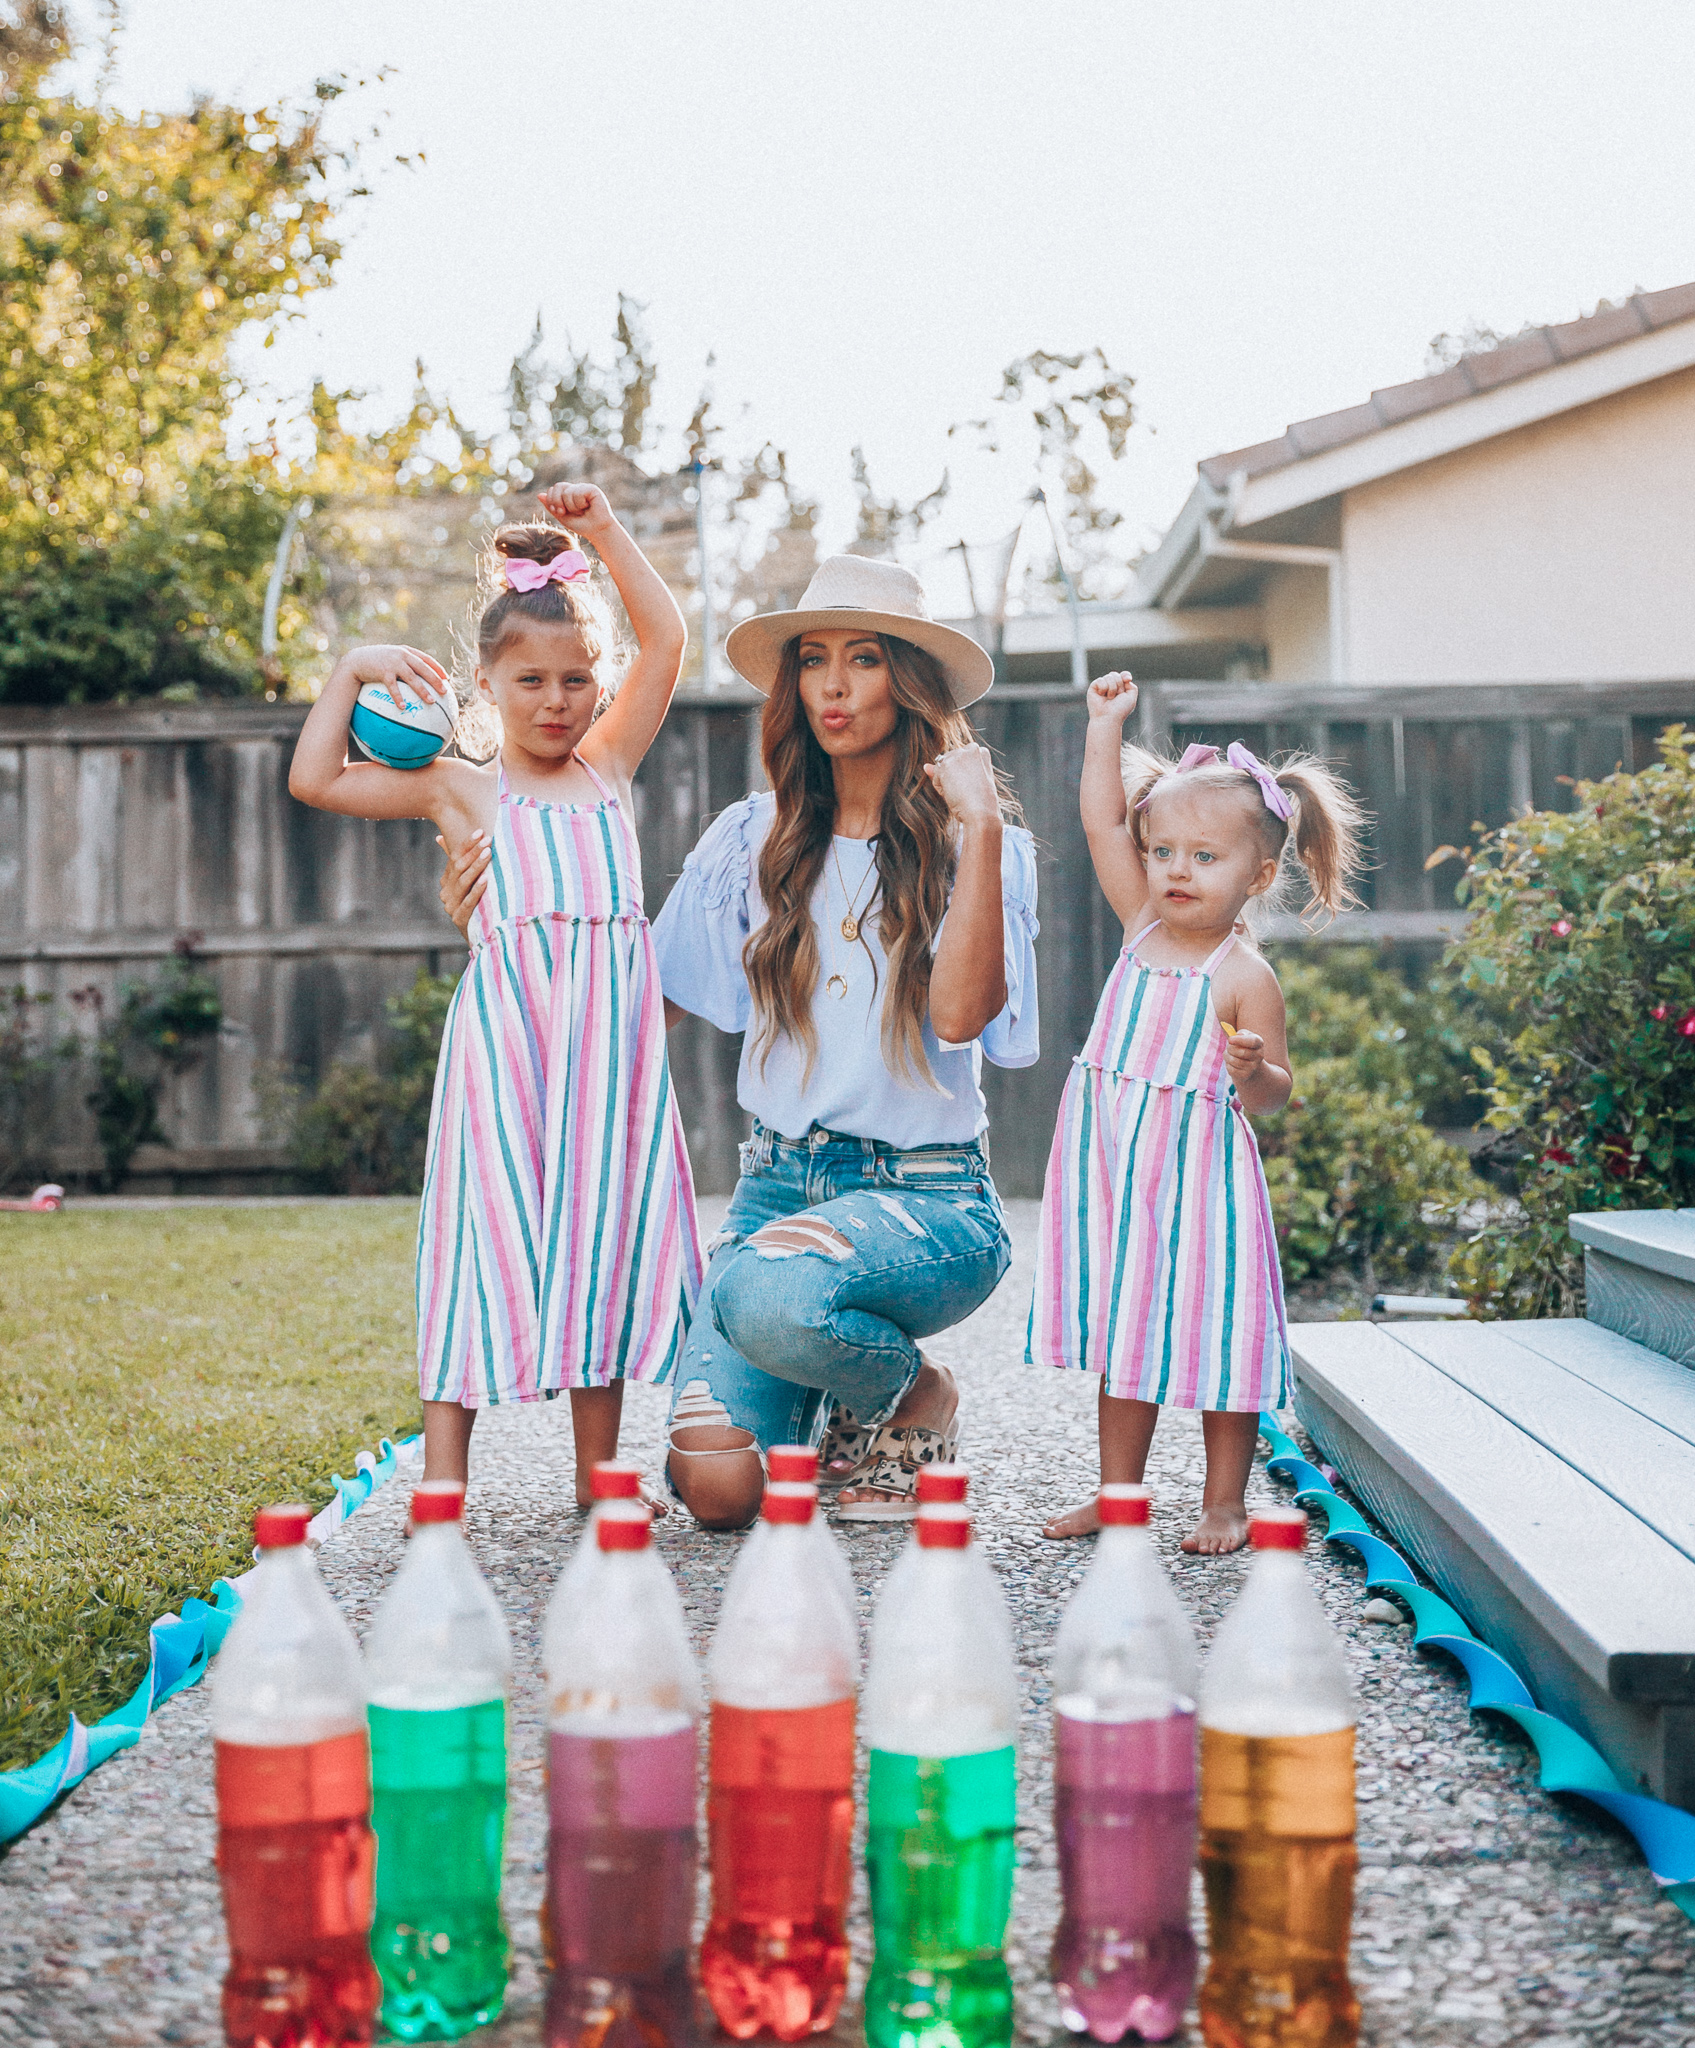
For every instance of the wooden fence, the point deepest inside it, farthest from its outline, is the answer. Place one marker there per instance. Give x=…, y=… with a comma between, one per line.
x=126, y=830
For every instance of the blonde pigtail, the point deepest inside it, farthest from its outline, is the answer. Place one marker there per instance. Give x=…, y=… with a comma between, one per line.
x=1329, y=831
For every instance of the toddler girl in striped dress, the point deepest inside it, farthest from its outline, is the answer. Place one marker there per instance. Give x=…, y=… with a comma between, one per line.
x=1157, y=1264
x=557, y=1245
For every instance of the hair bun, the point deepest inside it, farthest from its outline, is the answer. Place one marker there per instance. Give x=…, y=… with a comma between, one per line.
x=531, y=543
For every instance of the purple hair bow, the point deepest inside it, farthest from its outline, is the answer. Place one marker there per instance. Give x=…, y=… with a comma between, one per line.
x=572, y=566
x=1199, y=755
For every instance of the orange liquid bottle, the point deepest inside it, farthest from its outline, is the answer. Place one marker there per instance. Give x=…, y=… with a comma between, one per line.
x=1277, y=1811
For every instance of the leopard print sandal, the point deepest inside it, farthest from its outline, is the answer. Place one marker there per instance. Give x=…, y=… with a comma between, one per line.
x=890, y=1467
x=846, y=1440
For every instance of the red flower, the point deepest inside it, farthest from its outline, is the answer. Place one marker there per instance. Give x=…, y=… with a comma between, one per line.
x=1558, y=1155
x=1658, y=1013
x=1685, y=1025
x=1562, y=927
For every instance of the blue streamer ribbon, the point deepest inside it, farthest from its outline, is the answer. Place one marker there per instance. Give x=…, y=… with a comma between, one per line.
x=180, y=1646
x=1665, y=1834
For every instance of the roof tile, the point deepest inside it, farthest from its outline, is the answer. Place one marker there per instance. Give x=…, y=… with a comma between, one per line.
x=1574, y=338
x=1520, y=357
x=1404, y=401
x=1219, y=469
x=1662, y=309
x=1332, y=429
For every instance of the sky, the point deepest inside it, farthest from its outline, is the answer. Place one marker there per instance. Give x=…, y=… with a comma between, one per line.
x=1260, y=209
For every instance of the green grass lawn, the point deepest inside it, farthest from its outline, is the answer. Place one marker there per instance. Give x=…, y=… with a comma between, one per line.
x=162, y=1374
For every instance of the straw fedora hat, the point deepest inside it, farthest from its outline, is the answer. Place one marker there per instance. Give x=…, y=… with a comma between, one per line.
x=879, y=597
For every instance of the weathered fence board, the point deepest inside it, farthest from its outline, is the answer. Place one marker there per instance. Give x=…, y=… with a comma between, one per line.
x=125, y=829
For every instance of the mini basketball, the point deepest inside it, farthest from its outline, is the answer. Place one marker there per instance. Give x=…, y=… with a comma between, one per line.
x=397, y=731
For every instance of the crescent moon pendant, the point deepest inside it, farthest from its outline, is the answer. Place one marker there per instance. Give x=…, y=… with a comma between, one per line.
x=836, y=986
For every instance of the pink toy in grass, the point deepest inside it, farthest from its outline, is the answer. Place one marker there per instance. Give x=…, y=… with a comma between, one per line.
x=50, y=1196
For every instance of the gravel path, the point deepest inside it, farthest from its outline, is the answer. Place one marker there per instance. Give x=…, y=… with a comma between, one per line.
x=1489, y=1915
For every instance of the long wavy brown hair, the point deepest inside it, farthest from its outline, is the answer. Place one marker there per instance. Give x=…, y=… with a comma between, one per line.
x=914, y=857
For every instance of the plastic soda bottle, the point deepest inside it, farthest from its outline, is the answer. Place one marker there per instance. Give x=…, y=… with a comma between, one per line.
x=609, y=1479
x=942, y=1490
x=1277, y=1810
x=797, y=1465
x=1125, y=1676
x=624, y=1701
x=439, y=1664
x=294, y=1798
x=783, y=1668
x=941, y=1714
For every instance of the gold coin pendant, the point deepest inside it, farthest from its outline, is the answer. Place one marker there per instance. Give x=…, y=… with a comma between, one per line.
x=850, y=927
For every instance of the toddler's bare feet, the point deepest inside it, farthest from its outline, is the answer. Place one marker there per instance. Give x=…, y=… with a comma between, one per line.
x=1218, y=1531
x=1080, y=1521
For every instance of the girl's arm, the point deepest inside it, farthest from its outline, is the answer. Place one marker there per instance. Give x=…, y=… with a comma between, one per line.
x=1257, y=1058
x=321, y=774
x=626, y=729
x=968, y=974
x=1118, y=866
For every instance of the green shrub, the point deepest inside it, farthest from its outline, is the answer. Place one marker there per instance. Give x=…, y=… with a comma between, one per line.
x=30, y=1060
x=1583, y=933
x=1358, y=1179
x=158, y=1029
x=365, y=1130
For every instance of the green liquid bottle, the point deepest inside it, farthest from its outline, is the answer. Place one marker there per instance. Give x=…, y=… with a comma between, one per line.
x=941, y=1708
x=440, y=1664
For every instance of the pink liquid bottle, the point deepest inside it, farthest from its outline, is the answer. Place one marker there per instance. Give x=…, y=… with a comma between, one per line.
x=623, y=1746
x=295, y=1849
x=1125, y=1679
x=784, y=1670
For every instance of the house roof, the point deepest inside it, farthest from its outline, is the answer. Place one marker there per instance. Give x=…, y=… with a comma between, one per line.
x=1525, y=355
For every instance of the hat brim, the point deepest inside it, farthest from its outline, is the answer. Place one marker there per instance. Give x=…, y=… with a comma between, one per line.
x=754, y=649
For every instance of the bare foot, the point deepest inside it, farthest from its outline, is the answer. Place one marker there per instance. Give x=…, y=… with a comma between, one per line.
x=650, y=1499
x=1081, y=1521
x=1219, y=1531
x=930, y=1402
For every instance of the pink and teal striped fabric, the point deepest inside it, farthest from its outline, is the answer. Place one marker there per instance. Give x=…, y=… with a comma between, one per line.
x=1157, y=1263
x=557, y=1245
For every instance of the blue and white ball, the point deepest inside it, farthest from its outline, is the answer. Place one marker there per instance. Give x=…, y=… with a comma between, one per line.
x=400, y=731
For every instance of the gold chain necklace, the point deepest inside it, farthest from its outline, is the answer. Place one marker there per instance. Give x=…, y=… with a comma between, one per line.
x=850, y=923
x=837, y=985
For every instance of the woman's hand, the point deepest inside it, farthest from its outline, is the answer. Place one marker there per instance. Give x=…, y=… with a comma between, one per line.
x=464, y=879
x=1112, y=697
x=581, y=507
x=402, y=668
x=965, y=776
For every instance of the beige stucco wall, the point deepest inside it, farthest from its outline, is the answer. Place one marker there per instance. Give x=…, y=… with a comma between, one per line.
x=1295, y=610
x=1564, y=550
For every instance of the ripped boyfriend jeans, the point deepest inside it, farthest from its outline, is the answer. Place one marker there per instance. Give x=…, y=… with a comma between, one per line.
x=908, y=1243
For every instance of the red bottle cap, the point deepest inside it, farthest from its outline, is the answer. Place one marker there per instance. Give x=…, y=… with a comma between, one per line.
x=1128, y=1506
x=789, y=1501
x=943, y=1526
x=624, y=1525
x=438, y=1500
x=942, y=1483
x=610, y=1480
x=281, y=1527
x=1277, y=1529
x=797, y=1462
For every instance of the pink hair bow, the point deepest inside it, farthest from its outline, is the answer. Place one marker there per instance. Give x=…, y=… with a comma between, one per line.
x=1199, y=755
x=572, y=566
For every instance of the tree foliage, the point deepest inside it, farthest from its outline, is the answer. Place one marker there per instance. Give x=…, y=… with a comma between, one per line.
x=132, y=251
x=1582, y=931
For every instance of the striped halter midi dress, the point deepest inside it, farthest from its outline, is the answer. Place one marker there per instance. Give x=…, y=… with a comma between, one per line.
x=1157, y=1261
x=557, y=1243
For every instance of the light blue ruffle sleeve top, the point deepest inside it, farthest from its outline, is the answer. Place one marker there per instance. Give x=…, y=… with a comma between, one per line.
x=699, y=936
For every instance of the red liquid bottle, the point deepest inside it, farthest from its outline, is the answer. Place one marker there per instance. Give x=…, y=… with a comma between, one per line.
x=622, y=1751
x=295, y=1849
x=783, y=1670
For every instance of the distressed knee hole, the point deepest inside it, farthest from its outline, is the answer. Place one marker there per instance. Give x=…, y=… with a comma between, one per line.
x=698, y=1407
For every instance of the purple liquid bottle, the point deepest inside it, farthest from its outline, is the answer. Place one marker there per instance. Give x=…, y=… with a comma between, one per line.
x=622, y=1754
x=1124, y=1681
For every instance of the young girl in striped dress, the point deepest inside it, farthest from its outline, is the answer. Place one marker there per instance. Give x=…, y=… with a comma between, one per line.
x=557, y=1245
x=1157, y=1264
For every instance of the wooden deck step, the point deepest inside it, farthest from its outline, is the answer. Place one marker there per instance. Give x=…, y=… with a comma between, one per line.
x=1554, y=1514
